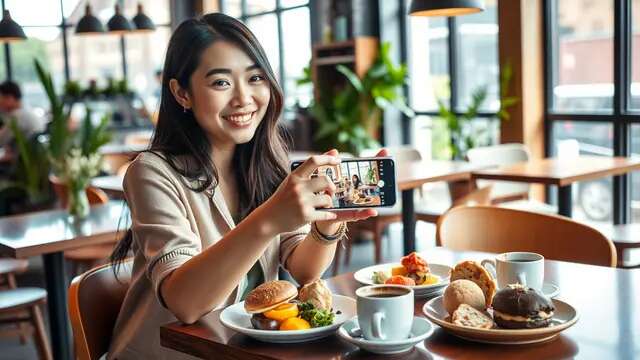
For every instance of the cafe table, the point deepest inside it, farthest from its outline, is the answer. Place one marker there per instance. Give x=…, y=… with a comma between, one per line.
x=606, y=299
x=110, y=184
x=413, y=174
x=562, y=172
x=49, y=233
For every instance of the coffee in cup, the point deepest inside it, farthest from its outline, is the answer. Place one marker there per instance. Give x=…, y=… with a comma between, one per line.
x=385, y=312
x=525, y=268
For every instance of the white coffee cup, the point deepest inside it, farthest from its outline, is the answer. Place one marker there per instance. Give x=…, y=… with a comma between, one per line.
x=385, y=312
x=525, y=268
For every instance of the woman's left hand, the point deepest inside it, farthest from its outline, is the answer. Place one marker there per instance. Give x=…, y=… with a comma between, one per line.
x=330, y=227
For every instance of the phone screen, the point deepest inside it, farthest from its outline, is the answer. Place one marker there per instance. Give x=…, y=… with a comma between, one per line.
x=360, y=182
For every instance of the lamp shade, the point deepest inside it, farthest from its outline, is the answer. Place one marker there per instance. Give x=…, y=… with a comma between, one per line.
x=445, y=7
x=89, y=24
x=9, y=29
x=142, y=22
x=119, y=23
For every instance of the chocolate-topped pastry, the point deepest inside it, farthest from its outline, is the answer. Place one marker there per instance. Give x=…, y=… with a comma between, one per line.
x=520, y=307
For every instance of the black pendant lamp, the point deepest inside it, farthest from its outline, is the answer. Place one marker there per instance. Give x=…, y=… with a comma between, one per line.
x=142, y=22
x=445, y=7
x=9, y=29
x=119, y=23
x=89, y=24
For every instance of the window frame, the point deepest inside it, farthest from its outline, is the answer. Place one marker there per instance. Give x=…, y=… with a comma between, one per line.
x=621, y=117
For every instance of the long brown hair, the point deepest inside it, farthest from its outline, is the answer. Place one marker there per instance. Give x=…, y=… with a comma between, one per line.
x=260, y=164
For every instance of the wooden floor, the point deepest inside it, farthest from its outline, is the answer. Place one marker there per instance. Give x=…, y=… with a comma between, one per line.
x=362, y=255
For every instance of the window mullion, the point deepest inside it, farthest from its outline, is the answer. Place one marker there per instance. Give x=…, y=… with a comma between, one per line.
x=453, y=66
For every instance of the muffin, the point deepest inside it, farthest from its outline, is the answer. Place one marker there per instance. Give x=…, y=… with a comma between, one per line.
x=471, y=270
x=463, y=292
x=520, y=307
x=468, y=316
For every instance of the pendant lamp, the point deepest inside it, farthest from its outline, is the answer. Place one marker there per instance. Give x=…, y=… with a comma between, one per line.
x=118, y=23
x=142, y=22
x=89, y=24
x=445, y=7
x=9, y=29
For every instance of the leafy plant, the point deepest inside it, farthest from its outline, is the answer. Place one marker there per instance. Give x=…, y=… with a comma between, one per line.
x=462, y=134
x=349, y=117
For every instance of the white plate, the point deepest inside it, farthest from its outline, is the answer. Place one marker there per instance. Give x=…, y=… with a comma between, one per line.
x=235, y=318
x=364, y=276
x=564, y=317
x=420, y=330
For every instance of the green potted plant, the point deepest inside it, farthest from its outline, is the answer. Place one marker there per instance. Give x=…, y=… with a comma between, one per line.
x=350, y=119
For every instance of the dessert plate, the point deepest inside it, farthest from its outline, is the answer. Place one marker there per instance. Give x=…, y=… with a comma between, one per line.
x=564, y=317
x=420, y=330
x=365, y=276
x=234, y=317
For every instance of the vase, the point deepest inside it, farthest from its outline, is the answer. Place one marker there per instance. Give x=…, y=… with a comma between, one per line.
x=78, y=204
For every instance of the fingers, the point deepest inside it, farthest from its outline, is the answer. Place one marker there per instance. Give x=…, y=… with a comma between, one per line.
x=308, y=167
x=332, y=152
x=321, y=184
x=355, y=215
x=321, y=201
x=382, y=153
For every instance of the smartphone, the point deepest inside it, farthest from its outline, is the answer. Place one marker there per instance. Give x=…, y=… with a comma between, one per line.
x=360, y=182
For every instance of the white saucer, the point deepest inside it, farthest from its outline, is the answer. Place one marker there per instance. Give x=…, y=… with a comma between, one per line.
x=550, y=290
x=420, y=330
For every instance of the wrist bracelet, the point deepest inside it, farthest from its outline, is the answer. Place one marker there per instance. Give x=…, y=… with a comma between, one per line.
x=337, y=236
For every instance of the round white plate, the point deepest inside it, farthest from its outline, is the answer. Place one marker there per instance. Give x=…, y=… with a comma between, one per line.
x=420, y=330
x=564, y=317
x=235, y=318
x=364, y=276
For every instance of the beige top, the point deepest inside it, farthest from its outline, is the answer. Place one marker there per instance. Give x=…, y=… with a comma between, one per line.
x=170, y=224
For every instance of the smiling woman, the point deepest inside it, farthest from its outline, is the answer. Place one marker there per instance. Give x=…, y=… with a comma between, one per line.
x=214, y=210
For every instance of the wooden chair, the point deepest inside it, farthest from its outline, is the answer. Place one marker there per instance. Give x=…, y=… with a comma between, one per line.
x=22, y=305
x=95, y=298
x=84, y=257
x=8, y=270
x=498, y=230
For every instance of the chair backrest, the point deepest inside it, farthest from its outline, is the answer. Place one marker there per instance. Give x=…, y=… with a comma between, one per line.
x=94, y=195
x=497, y=155
x=475, y=198
x=95, y=298
x=400, y=153
x=498, y=230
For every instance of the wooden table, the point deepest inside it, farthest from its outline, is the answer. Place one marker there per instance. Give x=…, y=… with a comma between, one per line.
x=110, y=184
x=413, y=174
x=50, y=233
x=606, y=299
x=562, y=173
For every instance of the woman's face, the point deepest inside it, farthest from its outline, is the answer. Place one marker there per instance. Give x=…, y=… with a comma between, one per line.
x=229, y=94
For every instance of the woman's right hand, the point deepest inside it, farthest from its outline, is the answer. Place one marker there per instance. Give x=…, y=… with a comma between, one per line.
x=299, y=198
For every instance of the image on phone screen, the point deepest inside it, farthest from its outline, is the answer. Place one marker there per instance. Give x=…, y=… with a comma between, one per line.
x=360, y=182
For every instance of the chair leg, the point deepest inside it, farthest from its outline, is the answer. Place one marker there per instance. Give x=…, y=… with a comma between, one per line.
x=22, y=328
x=40, y=335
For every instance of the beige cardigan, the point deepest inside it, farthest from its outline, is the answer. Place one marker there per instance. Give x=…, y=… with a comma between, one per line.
x=170, y=224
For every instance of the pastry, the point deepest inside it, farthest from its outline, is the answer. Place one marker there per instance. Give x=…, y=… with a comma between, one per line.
x=471, y=270
x=520, y=307
x=469, y=316
x=463, y=292
x=318, y=294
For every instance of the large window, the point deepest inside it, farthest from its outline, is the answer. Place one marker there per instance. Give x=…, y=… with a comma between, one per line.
x=283, y=29
x=449, y=60
x=592, y=93
x=85, y=58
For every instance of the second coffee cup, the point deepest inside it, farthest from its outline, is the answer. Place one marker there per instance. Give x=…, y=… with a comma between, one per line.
x=524, y=268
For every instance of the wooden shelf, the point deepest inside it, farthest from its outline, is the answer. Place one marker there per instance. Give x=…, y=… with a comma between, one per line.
x=335, y=60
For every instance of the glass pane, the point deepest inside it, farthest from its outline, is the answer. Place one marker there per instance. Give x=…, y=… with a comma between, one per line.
x=592, y=200
x=296, y=61
x=3, y=68
x=258, y=6
x=423, y=137
x=94, y=57
x=428, y=62
x=145, y=58
x=477, y=57
x=44, y=44
x=265, y=27
x=70, y=6
x=584, y=82
x=635, y=59
x=635, y=176
x=157, y=10
x=48, y=12
x=289, y=3
x=232, y=7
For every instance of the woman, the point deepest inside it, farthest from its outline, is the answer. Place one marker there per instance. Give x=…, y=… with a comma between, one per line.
x=356, y=181
x=214, y=210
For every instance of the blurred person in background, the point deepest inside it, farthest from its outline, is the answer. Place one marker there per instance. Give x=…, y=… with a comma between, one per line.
x=11, y=107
